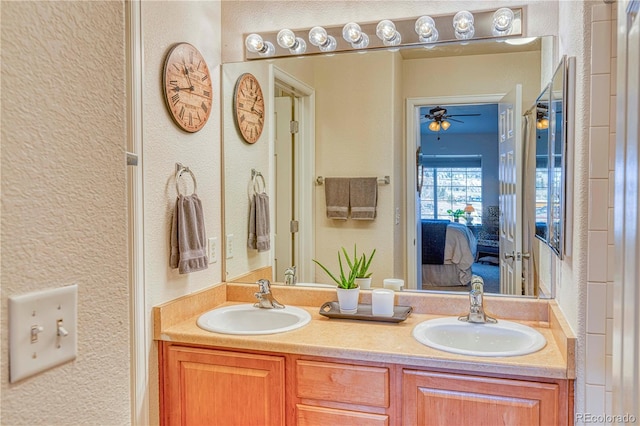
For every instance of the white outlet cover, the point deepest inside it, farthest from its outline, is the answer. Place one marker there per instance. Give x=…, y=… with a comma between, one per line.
x=42, y=309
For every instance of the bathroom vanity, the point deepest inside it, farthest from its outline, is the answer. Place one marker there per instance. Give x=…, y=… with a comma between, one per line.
x=335, y=371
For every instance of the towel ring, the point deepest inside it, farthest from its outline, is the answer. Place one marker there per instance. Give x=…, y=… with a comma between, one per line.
x=180, y=169
x=256, y=183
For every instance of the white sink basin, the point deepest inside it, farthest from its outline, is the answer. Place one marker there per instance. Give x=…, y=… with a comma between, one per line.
x=502, y=339
x=247, y=319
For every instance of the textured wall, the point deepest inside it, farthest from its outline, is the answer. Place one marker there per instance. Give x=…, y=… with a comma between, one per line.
x=165, y=23
x=64, y=217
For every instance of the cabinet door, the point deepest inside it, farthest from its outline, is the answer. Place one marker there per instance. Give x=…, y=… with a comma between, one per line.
x=210, y=387
x=449, y=399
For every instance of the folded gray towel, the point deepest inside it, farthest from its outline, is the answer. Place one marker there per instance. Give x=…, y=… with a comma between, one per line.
x=188, y=236
x=259, y=227
x=363, y=198
x=336, y=192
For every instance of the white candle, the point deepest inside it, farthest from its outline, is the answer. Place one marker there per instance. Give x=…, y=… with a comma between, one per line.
x=382, y=302
x=394, y=284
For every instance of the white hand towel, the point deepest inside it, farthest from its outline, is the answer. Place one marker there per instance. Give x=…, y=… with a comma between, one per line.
x=188, y=236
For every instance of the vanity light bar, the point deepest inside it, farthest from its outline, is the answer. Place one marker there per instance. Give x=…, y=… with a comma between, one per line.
x=483, y=24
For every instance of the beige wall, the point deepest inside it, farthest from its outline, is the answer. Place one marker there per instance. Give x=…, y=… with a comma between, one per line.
x=164, y=144
x=239, y=158
x=64, y=216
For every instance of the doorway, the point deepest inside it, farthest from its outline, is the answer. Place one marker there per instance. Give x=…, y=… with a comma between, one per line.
x=414, y=177
x=293, y=165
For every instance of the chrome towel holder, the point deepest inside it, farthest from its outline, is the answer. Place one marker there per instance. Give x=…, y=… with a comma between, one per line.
x=180, y=169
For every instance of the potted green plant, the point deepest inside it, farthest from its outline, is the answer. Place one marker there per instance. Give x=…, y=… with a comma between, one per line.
x=363, y=276
x=348, y=290
x=457, y=214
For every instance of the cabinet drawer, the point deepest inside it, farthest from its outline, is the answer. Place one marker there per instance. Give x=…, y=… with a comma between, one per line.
x=352, y=384
x=320, y=416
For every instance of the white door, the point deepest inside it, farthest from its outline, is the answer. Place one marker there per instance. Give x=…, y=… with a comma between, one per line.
x=284, y=206
x=510, y=176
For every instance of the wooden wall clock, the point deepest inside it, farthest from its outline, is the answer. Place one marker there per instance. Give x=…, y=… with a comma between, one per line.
x=248, y=107
x=187, y=87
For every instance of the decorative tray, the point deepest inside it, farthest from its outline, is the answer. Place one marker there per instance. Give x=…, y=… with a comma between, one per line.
x=332, y=310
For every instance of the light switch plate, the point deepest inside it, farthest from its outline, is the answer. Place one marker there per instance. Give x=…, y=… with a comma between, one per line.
x=42, y=330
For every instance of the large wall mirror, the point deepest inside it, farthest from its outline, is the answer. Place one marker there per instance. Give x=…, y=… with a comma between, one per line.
x=367, y=115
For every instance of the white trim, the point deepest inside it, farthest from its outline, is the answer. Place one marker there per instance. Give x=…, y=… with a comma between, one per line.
x=626, y=321
x=410, y=159
x=137, y=306
x=305, y=156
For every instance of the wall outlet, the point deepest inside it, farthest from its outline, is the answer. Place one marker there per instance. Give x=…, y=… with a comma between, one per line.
x=212, y=251
x=229, y=246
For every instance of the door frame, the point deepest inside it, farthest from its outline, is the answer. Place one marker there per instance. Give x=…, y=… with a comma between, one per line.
x=305, y=170
x=411, y=145
x=139, y=323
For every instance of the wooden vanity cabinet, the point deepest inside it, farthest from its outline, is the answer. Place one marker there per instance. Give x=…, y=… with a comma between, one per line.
x=430, y=398
x=201, y=386
x=227, y=387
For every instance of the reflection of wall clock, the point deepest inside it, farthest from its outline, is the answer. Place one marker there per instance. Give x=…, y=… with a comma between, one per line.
x=187, y=87
x=248, y=107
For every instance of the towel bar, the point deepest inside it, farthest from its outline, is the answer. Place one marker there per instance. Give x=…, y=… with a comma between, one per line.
x=385, y=180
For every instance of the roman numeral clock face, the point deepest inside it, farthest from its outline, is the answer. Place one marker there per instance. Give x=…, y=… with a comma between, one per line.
x=187, y=87
x=248, y=106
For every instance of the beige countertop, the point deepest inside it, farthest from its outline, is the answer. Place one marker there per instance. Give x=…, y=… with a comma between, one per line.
x=356, y=340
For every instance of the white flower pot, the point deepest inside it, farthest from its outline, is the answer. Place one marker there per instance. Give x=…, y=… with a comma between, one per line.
x=364, y=283
x=348, y=300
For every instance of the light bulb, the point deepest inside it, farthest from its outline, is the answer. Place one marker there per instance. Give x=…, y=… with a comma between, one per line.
x=445, y=124
x=318, y=37
x=426, y=29
x=434, y=126
x=502, y=21
x=386, y=31
x=544, y=123
x=353, y=35
x=287, y=39
x=255, y=44
x=463, y=25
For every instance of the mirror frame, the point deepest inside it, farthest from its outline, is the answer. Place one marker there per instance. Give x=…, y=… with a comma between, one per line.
x=556, y=95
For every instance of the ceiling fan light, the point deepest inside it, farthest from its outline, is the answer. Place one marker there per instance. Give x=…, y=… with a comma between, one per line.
x=445, y=124
x=434, y=126
x=542, y=124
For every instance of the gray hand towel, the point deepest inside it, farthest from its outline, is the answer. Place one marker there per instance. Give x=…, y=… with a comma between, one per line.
x=336, y=192
x=363, y=197
x=259, y=227
x=188, y=236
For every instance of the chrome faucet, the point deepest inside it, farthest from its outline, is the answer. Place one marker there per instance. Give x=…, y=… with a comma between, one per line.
x=265, y=298
x=290, y=276
x=476, y=310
